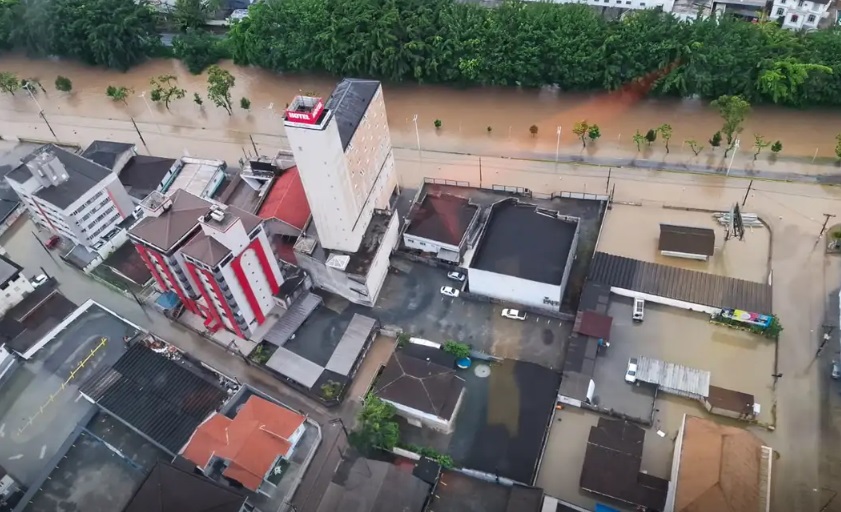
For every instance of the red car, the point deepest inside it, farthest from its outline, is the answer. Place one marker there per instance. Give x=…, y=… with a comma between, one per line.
x=53, y=242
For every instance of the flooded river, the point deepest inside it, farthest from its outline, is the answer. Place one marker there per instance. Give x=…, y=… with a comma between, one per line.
x=466, y=114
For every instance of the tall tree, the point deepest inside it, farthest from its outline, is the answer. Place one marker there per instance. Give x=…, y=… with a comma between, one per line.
x=194, y=14
x=113, y=33
x=219, y=85
x=198, y=49
x=783, y=80
x=9, y=82
x=377, y=427
x=759, y=143
x=580, y=129
x=63, y=84
x=165, y=88
x=665, y=130
x=733, y=110
x=118, y=93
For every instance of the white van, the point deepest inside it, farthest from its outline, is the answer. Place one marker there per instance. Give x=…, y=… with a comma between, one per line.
x=639, y=309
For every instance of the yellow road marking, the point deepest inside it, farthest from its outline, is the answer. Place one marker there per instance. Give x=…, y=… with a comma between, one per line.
x=103, y=341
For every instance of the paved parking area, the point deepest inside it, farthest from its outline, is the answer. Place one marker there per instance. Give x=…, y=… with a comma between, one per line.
x=411, y=299
x=37, y=409
x=634, y=232
x=738, y=360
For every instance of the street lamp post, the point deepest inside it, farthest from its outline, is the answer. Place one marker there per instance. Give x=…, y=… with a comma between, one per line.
x=149, y=108
x=735, y=148
x=557, y=148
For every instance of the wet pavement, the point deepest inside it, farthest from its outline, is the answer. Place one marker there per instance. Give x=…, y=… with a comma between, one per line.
x=807, y=433
x=634, y=231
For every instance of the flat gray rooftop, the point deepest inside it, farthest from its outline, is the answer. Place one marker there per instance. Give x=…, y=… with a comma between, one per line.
x=521, y=242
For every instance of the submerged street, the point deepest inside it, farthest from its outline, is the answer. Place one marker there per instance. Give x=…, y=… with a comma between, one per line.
x=807, y=434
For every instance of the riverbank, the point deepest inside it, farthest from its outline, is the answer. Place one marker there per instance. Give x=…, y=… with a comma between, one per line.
x=465, y=114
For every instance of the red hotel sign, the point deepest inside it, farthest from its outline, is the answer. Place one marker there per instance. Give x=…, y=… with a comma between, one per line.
x=310, y=117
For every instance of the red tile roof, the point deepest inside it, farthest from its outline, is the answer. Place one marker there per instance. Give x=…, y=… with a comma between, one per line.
x=286, y=200
x=251, y=442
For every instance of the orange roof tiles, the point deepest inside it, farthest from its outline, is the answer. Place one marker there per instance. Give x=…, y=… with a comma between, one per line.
x=287, y=200
x=251, y=442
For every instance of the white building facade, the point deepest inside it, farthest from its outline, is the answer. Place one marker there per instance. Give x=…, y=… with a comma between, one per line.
x=800, y=14
x=14, y=285
x=666, y=5
x=71, y=196
x=343, y=151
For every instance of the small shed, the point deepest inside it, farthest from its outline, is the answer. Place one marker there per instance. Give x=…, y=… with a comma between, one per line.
x=686, y=242
x=595, y=325
x=674, y=378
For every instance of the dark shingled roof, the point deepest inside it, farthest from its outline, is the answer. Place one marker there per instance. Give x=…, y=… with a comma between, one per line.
x=349, y=102
x=82, y=173
x=105, y=152
x=171, y=489
x=680, y=284
x=159, y=397
x=441, y=217
x=206, y=249
x=687, y=239
x=8, y=270
x=142, y=174
x=612, y=466
x=518, y=241
x=365, y=485
x=420, y=384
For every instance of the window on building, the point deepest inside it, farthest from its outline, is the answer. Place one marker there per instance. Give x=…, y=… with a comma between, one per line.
x=780, y=11
x=794, y=18
x=800, y=3
x=811, y=18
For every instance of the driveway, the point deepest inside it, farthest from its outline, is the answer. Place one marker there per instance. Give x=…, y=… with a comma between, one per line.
x=411, y=299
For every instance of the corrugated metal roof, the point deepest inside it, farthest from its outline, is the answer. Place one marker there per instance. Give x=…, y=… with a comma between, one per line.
x=157, y=396
x=680, y=284
x=294, y=318
x=671, y=377
x=295, y=367
x=347, y=351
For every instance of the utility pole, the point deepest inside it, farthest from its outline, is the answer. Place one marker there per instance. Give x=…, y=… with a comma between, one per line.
x=480, y=172
x=41, y=112
x=733, y=155
x=827, y=216
x=745, y=200
x=607, y=185
x=140, y=135
x=256, y=153
x=557, y=148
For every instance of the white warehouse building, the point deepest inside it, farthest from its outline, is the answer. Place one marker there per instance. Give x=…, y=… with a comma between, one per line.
x=525, y=255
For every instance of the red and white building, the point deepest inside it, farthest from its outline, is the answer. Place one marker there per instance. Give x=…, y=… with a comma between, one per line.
x=216, y=258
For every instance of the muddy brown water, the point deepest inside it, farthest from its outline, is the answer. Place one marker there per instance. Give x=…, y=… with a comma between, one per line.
x=466, y=114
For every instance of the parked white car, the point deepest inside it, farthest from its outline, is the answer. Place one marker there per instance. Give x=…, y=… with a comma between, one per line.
x=449, y=291
x=456, y=276
x=514, y=314
x=39, y=280
x=631, y=373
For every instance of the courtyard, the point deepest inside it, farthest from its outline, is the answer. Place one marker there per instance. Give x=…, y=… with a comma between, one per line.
x=738, y=360
x=411, y=299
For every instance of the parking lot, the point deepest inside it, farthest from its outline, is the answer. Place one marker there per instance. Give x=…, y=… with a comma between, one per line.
x=411, y=299
x=40, y=404
x=737, y=360
x=634, y=232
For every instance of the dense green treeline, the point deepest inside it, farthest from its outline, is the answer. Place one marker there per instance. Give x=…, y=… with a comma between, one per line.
x=527, y=44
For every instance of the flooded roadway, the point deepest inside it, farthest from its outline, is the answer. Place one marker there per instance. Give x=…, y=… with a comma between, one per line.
x=466, y=114
x=807, y=441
